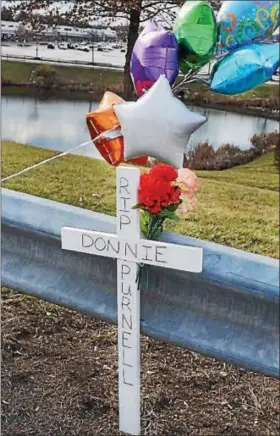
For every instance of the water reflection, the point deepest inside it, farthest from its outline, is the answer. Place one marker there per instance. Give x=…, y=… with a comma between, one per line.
x=230, y=128
x=60, y=124
x=34, y=114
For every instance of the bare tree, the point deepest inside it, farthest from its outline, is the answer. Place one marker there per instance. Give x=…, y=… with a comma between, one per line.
x=34, y=26
x=21, y=33
x=7, y=14
x=134, y=11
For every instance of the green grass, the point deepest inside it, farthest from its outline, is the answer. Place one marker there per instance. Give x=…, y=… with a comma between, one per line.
x=258, y=174
x=238, y=207
x=49, y=94
x=264, y=91
x=19, y=72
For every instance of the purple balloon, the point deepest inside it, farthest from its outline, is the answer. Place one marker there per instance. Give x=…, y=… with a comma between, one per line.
x=155, y=53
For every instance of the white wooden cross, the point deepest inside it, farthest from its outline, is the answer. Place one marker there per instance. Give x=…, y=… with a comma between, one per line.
x=130, y=250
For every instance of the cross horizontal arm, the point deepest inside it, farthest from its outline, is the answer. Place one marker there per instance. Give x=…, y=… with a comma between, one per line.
x=144, y=251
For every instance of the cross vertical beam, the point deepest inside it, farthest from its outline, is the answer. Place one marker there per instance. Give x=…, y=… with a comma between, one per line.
x=130, y=250
x=128, y=227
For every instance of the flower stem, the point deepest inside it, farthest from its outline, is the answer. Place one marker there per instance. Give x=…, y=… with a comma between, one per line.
x=155, y=223
x=139, y=275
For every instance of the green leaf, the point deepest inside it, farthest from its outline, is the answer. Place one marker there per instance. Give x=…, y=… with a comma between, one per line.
x=173, y=207
x=137, y=206
x=144, y=229
x=157, y=233
x=144, y=222
x=164, y=213
x=169, y=215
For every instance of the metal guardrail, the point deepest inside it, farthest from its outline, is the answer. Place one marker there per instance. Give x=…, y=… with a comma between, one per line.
x=230, y=311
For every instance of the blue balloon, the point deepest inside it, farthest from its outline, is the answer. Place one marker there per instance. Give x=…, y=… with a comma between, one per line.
x=245, y=68
x=244, y=22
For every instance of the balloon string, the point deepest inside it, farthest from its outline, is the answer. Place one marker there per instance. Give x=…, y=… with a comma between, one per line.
x=56, y=156
x=190, y=78
x=198, y=79
x=186, y=78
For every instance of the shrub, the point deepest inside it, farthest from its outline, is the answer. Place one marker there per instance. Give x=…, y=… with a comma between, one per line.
x=201, y=157
x=269, y=103
x=277, y=153
x=265, y=141
x=45, y=76
x=204, y=157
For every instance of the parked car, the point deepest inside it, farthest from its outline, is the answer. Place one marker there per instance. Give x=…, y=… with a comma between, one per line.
x=62, y=46
x=107, y=48
x=51, y=46
x=23, y=44
x=122, y=50
x=83, y=48
x=99, y=48
x=70, y=45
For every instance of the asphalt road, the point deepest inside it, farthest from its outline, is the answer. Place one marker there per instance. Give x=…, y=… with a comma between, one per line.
x=114, y=58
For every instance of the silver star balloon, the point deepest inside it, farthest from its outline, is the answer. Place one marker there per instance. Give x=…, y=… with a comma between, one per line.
x=158, y=125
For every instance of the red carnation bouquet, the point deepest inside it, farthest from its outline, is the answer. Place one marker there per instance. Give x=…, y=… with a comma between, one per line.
x=164, y=193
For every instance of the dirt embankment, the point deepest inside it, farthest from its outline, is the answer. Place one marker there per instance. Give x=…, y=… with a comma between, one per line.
x=59, y=378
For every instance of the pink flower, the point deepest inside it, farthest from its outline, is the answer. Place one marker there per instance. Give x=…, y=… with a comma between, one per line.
x=187, y=181
x=187, y=205
x=182, y=210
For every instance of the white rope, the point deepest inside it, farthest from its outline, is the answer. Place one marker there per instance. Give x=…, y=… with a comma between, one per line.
x=104, y=134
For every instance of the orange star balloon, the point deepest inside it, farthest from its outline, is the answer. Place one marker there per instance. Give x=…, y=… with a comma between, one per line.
x=104, y=118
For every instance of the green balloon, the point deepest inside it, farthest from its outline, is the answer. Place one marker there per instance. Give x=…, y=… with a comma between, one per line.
x=196, y=31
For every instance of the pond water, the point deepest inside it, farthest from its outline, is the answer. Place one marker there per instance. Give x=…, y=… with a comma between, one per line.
x=59, y=124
